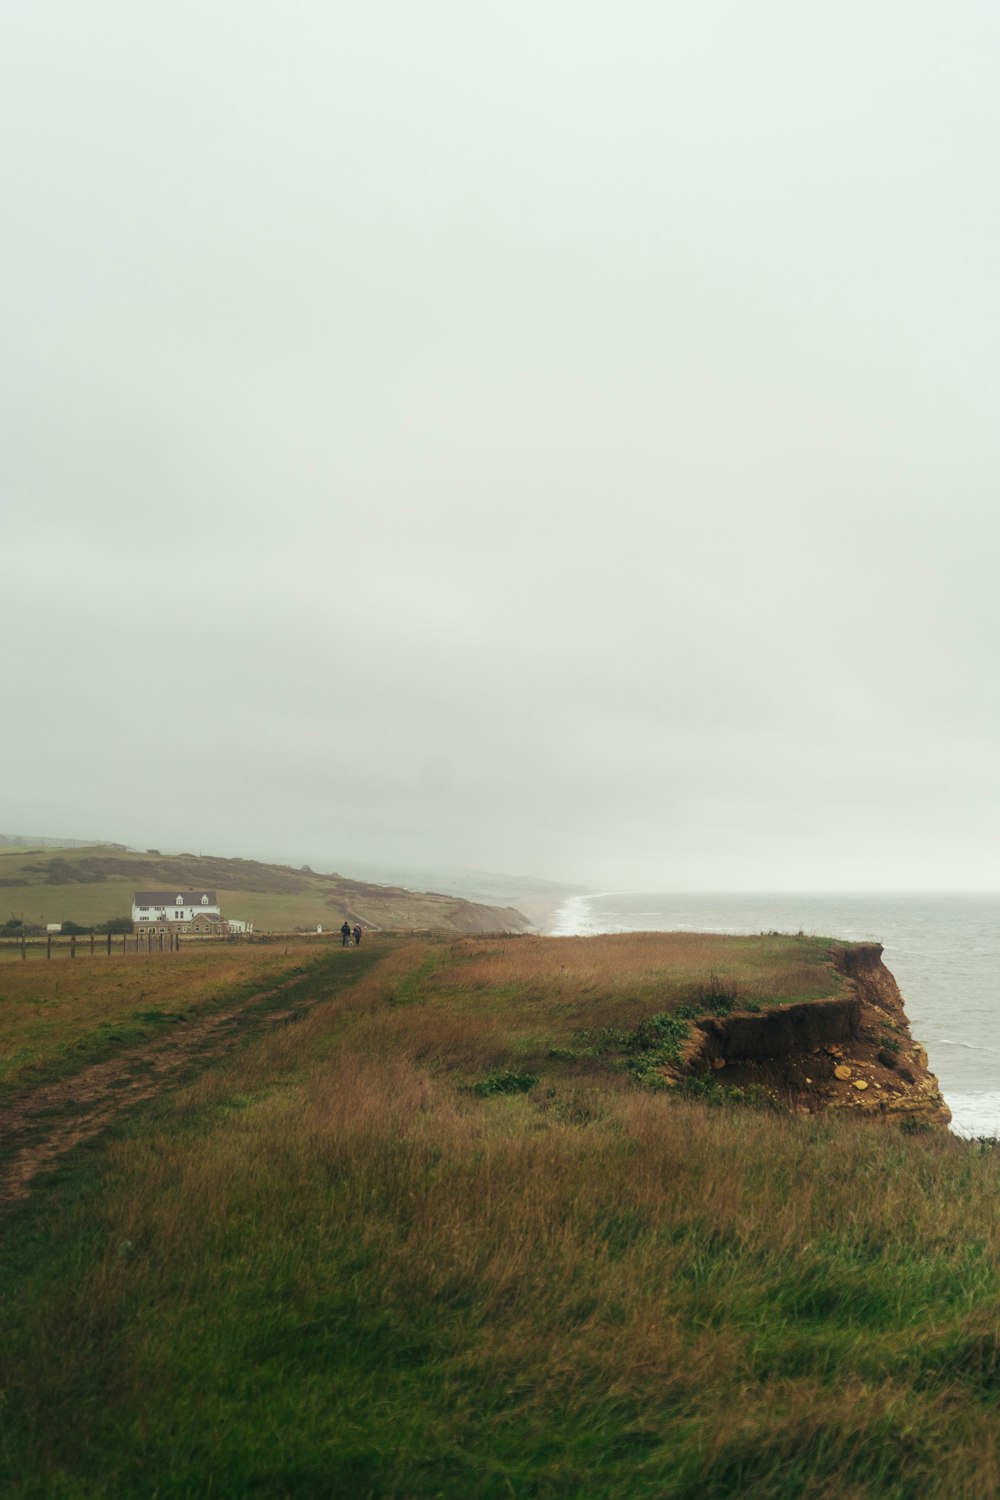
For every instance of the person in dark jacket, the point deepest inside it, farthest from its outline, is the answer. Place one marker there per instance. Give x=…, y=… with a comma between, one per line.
x=345, y=935
x=357, y=934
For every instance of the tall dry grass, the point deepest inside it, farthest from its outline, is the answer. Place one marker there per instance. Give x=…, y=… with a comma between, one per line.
x=332, y=1269
x=54, y=1017
x=646, y=966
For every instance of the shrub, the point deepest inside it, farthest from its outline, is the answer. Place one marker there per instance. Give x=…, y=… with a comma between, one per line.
x=719, y=996
x=654, y=1044
x=505, y=1081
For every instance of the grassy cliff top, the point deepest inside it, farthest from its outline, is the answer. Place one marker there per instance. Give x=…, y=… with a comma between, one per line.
x=370, y=1254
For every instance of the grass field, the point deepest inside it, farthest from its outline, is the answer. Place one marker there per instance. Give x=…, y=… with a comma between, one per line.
x=93, y=885
x=55, y=1017
x=431, y=1241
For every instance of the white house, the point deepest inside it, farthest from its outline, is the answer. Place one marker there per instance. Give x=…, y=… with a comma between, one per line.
x=178, y=911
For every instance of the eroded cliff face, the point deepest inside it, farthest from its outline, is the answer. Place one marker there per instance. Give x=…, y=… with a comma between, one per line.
x=853, y=1052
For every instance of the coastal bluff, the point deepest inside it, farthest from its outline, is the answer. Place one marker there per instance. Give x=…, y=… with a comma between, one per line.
x=850, y=1052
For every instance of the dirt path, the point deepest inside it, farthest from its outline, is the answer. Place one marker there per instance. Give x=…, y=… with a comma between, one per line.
x=100, y=1093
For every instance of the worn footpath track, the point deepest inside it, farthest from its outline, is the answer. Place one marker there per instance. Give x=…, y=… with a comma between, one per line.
x=41, y=1127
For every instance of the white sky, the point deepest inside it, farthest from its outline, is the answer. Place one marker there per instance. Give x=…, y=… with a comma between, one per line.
x=554, y=437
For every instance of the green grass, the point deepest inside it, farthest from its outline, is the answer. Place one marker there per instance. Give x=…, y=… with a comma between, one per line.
x=89, y=886
x=330, y=1267
x=56, y=1019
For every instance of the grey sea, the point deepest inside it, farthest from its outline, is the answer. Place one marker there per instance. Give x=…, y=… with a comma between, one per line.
x=944, y=951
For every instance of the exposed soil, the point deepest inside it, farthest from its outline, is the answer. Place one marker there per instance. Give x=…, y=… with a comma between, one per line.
x=41, y=1127
x=853, y=1052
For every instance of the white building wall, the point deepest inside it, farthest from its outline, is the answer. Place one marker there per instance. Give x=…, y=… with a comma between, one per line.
x=171, y=913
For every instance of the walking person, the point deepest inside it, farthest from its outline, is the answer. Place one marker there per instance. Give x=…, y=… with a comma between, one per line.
x=357, y=934
x=345, y=934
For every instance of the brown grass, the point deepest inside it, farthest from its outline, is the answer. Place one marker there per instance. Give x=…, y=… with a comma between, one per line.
x=329, y=1262
x=641, y=964
x=48, y=1009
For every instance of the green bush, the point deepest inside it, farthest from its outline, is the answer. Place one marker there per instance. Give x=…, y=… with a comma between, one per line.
x=654, y=1044
x=719, y=996
x=505, y=1081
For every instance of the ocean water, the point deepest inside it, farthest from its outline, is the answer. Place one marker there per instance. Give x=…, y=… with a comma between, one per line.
x=943, y=949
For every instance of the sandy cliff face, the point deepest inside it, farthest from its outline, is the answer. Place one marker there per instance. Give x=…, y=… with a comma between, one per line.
x=853, y=1052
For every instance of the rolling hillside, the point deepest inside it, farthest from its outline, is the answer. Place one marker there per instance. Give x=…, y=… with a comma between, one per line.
x=90, y=885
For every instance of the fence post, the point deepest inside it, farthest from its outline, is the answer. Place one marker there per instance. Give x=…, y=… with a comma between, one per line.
x=72, y=945
x=91, y=942
x=109, y=945
x=48, y=945
x=24, y=946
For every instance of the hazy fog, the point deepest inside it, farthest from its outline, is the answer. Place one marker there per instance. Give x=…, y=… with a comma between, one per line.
x=554, y=437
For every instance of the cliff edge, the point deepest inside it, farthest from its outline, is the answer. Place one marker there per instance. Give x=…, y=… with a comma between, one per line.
x=851, y=1052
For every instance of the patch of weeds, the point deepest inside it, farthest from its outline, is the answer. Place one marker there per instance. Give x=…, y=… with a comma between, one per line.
x=914, y=1125
x=655, y=1043
x=563, y=1054
x=505, y=1081
x=889, y=1043
x=709, y=1090
x=602, y=1041
x=718, y=996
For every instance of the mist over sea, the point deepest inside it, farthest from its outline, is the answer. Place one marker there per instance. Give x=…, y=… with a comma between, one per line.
x=943, y=950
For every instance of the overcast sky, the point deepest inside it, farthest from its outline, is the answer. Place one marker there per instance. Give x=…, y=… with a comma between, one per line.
x=551, y=436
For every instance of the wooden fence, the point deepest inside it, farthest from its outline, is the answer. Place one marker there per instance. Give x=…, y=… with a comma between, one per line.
x=91, y=945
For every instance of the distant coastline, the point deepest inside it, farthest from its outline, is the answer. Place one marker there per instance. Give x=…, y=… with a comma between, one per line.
x=570, y=917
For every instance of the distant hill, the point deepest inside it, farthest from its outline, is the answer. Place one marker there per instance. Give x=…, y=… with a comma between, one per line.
x=537, y=899
x=37, y=841
x=43, y=882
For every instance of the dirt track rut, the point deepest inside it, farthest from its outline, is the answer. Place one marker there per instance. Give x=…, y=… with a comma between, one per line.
x=99, y=1094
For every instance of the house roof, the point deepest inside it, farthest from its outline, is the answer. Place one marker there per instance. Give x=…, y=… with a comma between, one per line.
x=174, y=898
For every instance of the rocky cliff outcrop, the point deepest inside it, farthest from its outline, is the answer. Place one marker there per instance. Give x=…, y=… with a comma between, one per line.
x=850, y=1052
